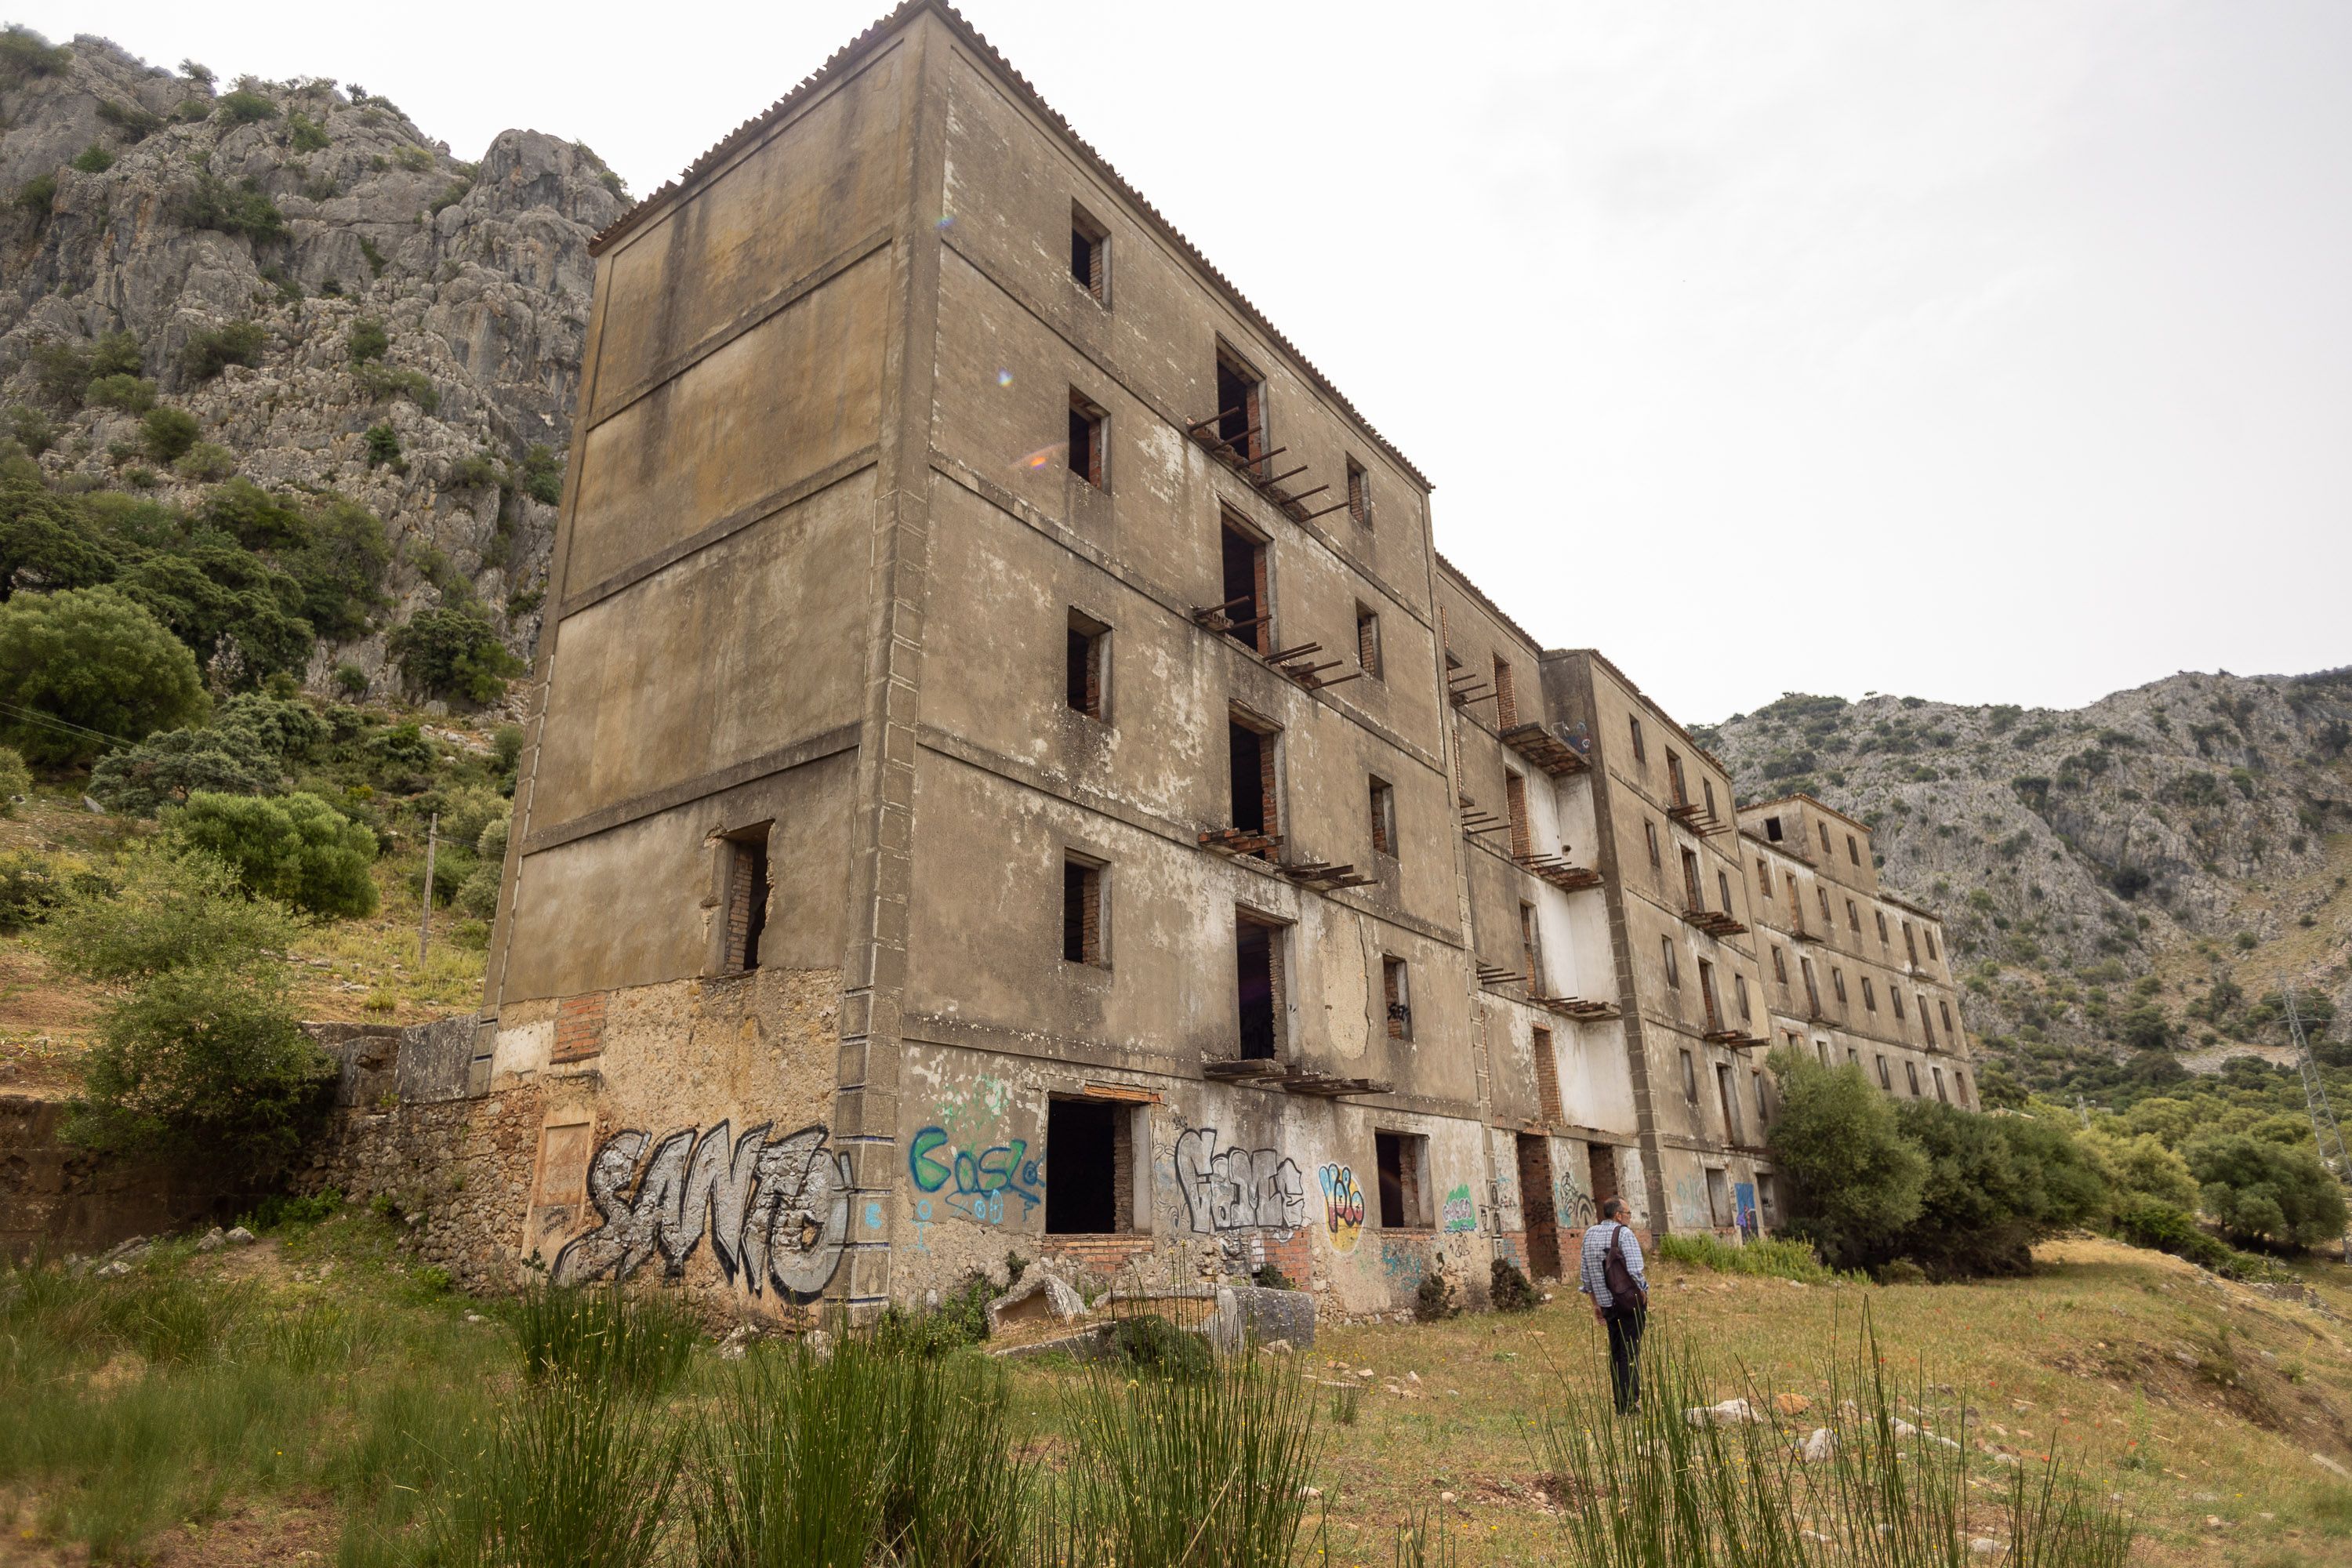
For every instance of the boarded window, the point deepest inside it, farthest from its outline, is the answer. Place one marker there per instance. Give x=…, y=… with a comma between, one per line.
x=1780, y=965
x=1384, y=822
x=747, y=897
x=1359, y=495
x=1093, y=1190
x=1547, y=1101
x=1886, y=1081
x=1910, y=943
x=1402, y=1159
x=1869, y=995
x=1853, y=849
x=1911, y=1071
x=1940, y=1085
x=1641, y=753
x=1693, y=897
x=1396, y=993
x=1081, y=913
x=1927, y=1024
x=1723, y=886
x=1718, y=1199
x=1530, y=946
x=1930, y=935
x=1881, y=917
x=1257, y=975
x=1727, y=1094
x=1739, y=989
x=1828, y=919
x=1514, y=804
x=1852, y=917
x=1674, y=786
x=1960, y=1083
x=1812, y=990
x=1674, y=965
x=1706, y=788
x=1690, y=1078
x=1946, y=1008
x=1895, y=996
x=1089, y=253
x=1507, y=695
x=1763, y=876
x=1837, y=983
x=1707, y=996
x=1650, y=830
x=1368, y=641
x=1088, y=422
x=1089, y=641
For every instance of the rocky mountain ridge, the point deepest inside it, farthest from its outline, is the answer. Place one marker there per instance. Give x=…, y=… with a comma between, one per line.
x=2125, y=885
x=242, y=236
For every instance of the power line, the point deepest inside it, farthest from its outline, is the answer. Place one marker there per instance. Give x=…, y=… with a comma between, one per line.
x=35, y=716
x=2324, y=1129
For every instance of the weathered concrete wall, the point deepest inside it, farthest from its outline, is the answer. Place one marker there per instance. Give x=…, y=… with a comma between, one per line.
x=55, y=1197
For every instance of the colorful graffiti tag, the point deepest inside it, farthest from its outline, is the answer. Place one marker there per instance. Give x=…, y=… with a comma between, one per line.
x=1237, y=1189
x=776, y=1213
x=1343, y=1208
x=1461, y=1212
x=978, y=1181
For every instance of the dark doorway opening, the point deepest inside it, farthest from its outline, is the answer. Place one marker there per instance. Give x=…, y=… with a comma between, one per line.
x=1243, y=562
x=1257, y=971
x=1082, y=1141
x=1535, y=1207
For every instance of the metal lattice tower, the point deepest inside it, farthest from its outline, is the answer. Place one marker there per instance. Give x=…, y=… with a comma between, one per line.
x=2324, y=1130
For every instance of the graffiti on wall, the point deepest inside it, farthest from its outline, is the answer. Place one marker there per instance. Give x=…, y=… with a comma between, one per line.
x=1343, y=1208
x=1572, y=1207
x=1461, y=1211
x=977, y=1182
x=775, y=1212
x=1237, y=1189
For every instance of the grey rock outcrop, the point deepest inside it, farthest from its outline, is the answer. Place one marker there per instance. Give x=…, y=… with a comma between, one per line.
x=338, y=209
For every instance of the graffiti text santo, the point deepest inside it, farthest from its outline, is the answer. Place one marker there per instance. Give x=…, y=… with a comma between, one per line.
x=777, y=1212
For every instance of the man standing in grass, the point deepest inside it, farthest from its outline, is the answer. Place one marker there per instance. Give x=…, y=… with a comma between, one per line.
x=1613, y=1277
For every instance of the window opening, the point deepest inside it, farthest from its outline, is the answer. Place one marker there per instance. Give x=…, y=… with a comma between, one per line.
x=1729, y=1096
x=1829, y=922
x=1894, y=996
x=1087, y=421
x=1603, y=1159
x=1940, y=1085
x=1910, y=943
x=1673, y=967
x=1531, y=950
x=1241, y=396
x=1853, y=918
x=1395, y=993
x=1837, y=983
x=1763, y=876
x=1547, y=1077
x=1368, y=641
x=1780, y=965
x=1869, y=995
x=1088, y=639
x=1885, y=1080
x=1813, y=991
x=1400, y=1157
x=1772, y=828
x=1247, y=608
x=1257, y=966
x=1718, y=1199
x=1252, y=757
x=1514, y=805
x=1825, y=836
x=1640, y=754
x=1946, y=1008
x=1911, y=1071
x=1927, y=1024
x=1081, y=913
x=1093, y=1192
x=1693, y=899
x=1881, y=916
x=1384, y=829
x=1089, y=253
x=1538, y=1211
x=1674, y=779
x=1853, y=849
x=1930, y=935
x=1707, y=996
x=1650, y=830
x=1507, y=695
x=1960, y=1083
x=1723, y=886
x=1706, y=788
x=1690, y=1078
x=1359, y=495
x=1740, y=993
x=747, y=897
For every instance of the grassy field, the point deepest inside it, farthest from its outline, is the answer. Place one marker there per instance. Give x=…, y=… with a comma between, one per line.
x=295, y=1401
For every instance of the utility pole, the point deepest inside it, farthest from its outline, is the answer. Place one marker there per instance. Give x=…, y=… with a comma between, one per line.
x=425, y=918
x=2324, y=1130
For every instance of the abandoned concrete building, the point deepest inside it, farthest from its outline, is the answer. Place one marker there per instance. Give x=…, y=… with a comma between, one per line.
x=1010, y=772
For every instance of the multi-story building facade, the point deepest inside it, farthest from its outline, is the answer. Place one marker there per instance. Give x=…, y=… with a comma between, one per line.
x=1853, y=973
x=1010, y=772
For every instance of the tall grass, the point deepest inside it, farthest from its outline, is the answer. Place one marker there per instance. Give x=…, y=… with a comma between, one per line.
x=1767, y=1257
x=573, y=1472
x=1659, y=1488
x=1192, y=1470
x=600, y=1335
x=835, y=1461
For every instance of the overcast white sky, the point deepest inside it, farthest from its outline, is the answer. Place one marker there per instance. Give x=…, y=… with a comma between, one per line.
x=1990, y=351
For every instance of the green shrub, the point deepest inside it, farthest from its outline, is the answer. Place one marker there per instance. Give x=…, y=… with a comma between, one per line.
x=1510, y=1288
x=86, y=667
x=31, y=429
x=209, y=351
x=304, y=134
x=15, y=779
x=167, y=768
x=475, y=472
x=244, y=208
x=542, y=476
x=25, y=55
x=207, y=462
x=375, y=258
x=367, y=340
x=1858, y=1182
x=2265, y=1194
x=280, y=1209
x=1432, y=1299
x=244, y=106
x=93, y=160
x=135, y=124
x=2168, y=1229
x=37, y=194
x=456, y=191
x=29, y=889
x=1993, y=1186
x=350, y=680
x=202, y=1052
x=168, y=433
x=454, y=654
x=384, y=381
x=572, y=1473
x=296, y=848
x=116, y=354
x=132, y=394
x=237, y=610
x=2139, y=1168
x=384, y=446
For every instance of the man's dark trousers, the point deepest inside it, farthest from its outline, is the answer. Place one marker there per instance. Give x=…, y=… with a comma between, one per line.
x=1624, y=1355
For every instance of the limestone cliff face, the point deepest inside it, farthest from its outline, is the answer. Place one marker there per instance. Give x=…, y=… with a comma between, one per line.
x=2189, y=831
x=338, y=208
